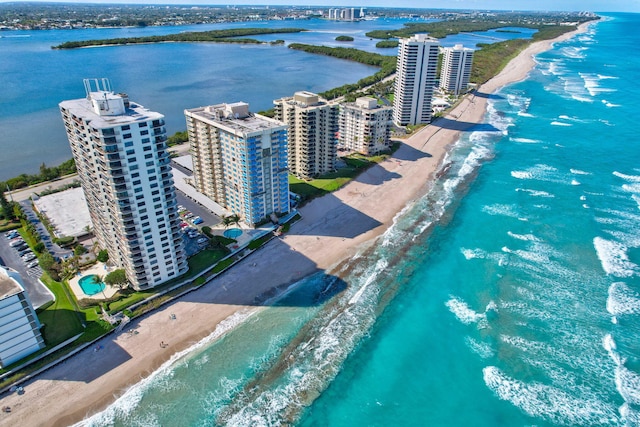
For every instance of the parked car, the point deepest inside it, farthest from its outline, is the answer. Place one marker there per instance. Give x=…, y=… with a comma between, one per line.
x=197, y=220
x=181, y=208
x=16, y=242
x=24, y=251
x=34, y=263
x=11, y=234
x=29, y=257
x=203, y=240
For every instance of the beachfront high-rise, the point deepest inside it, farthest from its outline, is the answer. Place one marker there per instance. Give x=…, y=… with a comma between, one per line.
x=456, y=69
x=365, y=127
x=19, y=325
x=313, y=128
x=123, y=164
x=240, y=160
x=415, y=80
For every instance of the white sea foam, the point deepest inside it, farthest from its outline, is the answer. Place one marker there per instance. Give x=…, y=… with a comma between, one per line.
x=622, y=300
x=535, y=193
x=480, y=348
x=613, y=257
x=525, y=237
x=610, y=104
x=501, y=210
x=557, y=123
x=549, y=402
x=526, y=140
x=628, y=384
x=463, y=312
x=579, y=172
x=523, y=114
x=128, y=402
x=473, y=253
x=629, y=178
x=371, y=277
x=521, y=174
x=575, y=182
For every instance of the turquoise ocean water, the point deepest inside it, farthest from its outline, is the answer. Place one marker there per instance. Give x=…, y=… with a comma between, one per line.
x=508, y=295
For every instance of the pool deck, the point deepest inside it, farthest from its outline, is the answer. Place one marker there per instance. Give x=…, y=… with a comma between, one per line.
x=99, y=269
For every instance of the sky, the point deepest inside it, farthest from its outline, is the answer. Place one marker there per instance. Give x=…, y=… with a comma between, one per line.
x=565, y=5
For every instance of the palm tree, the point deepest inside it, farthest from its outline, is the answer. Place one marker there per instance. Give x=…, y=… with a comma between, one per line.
x=96, y=280
x=235, y=219
x=227, y=221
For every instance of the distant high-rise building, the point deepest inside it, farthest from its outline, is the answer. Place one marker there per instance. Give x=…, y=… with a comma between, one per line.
x=365, y=126
x=19, y=325
x=456, y=69
x=347, y=14
x=240, y=160
x=313, y=128
x=123, y=164
x=415, y=80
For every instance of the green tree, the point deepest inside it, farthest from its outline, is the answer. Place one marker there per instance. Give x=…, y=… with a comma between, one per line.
x=79, y=250
x=117, y=278
x=103, y=256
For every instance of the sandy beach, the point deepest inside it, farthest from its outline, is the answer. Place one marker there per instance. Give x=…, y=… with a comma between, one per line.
x=332, y=230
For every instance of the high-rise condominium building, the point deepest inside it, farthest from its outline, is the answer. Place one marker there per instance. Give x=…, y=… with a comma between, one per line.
x=456, y=69
x=122, y=159
x=240, y=160
x=365, y=126
x=19, y=325
x=415, y=80
x=313, y=128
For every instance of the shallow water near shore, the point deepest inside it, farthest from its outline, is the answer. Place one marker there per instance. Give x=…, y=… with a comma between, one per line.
x=508, y=295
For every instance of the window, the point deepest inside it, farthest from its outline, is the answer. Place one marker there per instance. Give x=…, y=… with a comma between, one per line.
x=144, y=132
x=140, y=197
x=155, y=193
x=132, y=160
x=153, y=178
x=133, y=167
x=135, y=175
x=148, y=156
x=142, y=125
x=141, y=204
x=131, y=152
x=156, y=199
x=126, y=127
x=150, y=163
x=146, y=230
x=144, y=218
x=158, y=213
x=126, y=136
x=138, y=189
x=136, y=182
x=128, y=144
x=144, y=210
x=145, y=140
x=158, y=206
x=147, y=148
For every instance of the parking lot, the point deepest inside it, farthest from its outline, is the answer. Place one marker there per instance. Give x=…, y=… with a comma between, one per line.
x=10, y=257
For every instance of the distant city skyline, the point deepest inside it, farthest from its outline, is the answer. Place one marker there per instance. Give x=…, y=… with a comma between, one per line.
x=539, y=5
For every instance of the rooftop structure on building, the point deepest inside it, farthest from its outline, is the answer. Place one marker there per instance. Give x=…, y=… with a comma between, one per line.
x=365, y=126
x=19, y=325
x=313, y=129
x=120, y=151
x=456, y=69
x=415, y=80
x=240, y=160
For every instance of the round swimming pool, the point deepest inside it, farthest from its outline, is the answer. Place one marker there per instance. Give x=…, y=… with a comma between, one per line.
x=232, y=233
x=89, y=287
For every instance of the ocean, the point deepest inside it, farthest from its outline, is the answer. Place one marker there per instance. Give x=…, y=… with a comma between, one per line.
x=169, y=77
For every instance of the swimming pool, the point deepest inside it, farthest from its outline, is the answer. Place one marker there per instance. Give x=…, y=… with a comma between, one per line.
x=89, y=287
x=232, y=233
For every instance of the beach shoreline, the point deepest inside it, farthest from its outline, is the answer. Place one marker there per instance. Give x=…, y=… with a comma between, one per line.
x=332, y=230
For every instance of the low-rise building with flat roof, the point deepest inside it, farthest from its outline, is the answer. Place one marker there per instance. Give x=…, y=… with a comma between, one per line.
x=19, y=326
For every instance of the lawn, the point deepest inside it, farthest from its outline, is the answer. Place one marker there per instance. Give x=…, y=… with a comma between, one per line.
x=356, y=164
x=60, y=318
